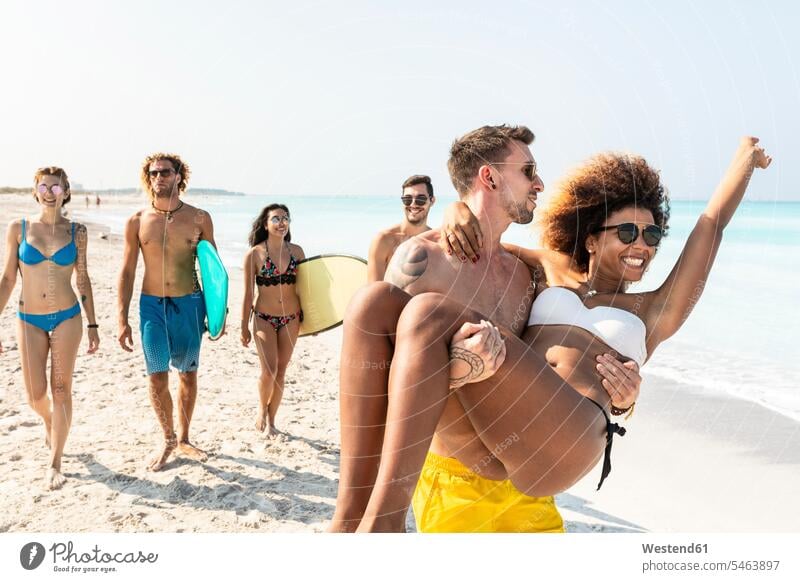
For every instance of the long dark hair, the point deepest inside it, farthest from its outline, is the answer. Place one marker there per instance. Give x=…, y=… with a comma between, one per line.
x=258, y=233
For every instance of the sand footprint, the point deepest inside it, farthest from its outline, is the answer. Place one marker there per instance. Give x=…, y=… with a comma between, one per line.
x=250, y=519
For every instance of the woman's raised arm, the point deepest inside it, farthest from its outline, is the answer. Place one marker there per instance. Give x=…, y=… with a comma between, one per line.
x=674, y=300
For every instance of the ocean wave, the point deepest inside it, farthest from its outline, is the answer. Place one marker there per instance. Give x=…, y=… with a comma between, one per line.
x=769, y=383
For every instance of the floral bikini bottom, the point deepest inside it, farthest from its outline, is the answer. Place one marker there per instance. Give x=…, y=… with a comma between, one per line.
x=279, y=321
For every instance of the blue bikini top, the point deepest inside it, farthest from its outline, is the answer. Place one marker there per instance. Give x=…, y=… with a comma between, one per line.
x=63, y=257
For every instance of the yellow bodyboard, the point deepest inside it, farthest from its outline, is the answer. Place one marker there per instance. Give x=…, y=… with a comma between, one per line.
x=325, y=284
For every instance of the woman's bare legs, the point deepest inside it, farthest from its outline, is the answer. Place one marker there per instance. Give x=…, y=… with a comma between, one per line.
x=267, y=348
x=62, y=347
x=546, y=434
x=34, y=347
x=287, y=338
x=417, y=394
x=274, y=351
x=367, y=349
x=64, y=343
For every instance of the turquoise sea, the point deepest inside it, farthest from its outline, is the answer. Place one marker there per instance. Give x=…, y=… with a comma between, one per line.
x=742, y=337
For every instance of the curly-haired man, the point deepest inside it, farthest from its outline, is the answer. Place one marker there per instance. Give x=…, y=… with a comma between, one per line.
x=171, y=307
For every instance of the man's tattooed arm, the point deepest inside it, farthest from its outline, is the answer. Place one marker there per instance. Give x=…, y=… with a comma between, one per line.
x=407, y=265
x=465, y=374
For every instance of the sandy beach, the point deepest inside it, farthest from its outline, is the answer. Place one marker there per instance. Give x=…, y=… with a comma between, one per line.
x=691, y=461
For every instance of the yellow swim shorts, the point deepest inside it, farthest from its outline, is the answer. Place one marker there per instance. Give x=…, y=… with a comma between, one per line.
x=450, y=498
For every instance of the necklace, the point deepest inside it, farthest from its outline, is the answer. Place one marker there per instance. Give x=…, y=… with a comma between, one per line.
x=168, y=213
x=589, y=293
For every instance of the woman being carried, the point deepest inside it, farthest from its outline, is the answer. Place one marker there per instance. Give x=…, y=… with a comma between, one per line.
x=271, y=265
x=542, y=412
x=46, y=252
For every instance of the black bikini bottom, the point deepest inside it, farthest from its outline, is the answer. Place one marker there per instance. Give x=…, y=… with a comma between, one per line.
x=611, y=428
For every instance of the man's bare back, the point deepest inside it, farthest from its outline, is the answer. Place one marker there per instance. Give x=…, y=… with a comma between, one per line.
x=499, y=286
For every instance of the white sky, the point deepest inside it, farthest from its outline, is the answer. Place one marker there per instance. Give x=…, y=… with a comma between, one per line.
x=352, y=97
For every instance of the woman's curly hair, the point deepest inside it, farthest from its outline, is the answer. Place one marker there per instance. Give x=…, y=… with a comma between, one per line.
x=604, y=184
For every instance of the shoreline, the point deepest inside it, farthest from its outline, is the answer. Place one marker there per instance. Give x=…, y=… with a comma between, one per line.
x=689, y=460
x=760, y=370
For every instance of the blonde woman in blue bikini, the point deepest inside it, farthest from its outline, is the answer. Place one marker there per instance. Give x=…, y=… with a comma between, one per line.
x=46, y=252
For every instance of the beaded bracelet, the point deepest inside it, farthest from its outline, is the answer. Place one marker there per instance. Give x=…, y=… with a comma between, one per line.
x=620, y=411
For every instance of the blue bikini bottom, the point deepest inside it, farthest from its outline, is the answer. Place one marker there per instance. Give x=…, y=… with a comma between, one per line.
x=49, y=321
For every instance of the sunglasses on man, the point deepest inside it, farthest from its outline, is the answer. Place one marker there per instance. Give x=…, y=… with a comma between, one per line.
x=418, y=200
x=165, y=173
x=629, y=232
x=530, y=169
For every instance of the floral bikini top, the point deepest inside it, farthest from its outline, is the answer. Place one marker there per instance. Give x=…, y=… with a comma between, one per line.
x=269, y=274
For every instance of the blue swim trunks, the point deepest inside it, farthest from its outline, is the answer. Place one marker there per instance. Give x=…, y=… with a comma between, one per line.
x=172, y=328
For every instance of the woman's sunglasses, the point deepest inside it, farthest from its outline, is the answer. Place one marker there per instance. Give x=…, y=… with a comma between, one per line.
x=629, y=232
x=279, y=219
x=420, y=200
x=55, y=189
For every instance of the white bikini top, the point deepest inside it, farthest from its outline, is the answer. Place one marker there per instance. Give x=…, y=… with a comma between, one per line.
x=619, y=329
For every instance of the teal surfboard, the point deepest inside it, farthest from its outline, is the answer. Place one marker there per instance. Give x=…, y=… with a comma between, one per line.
x=214, y=280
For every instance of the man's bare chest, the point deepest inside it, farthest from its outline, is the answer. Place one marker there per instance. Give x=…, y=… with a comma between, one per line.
x=503, y=295
x=157, y=233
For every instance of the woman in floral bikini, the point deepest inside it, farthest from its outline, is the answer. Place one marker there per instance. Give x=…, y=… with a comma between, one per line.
x=271, y=266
